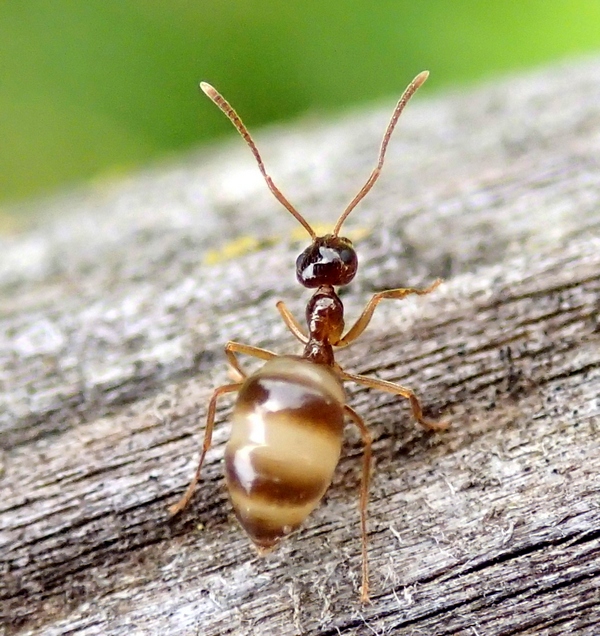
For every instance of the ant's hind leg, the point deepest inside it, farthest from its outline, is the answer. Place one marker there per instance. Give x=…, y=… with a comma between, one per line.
x=364, y=496
x=397, y=389
x=233, y=348
x=210, y=421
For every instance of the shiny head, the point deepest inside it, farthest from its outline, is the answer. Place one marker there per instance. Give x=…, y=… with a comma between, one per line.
x=328, y=260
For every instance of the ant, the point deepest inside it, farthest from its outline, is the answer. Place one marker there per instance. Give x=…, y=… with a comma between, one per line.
x=288, y=420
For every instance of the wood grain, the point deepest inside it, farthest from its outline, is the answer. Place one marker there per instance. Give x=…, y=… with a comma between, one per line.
x=115, y=305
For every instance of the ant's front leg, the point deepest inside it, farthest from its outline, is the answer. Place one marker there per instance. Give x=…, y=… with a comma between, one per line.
x=365, y=318
x=291, y=323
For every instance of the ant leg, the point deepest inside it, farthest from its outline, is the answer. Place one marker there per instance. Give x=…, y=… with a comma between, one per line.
x=232, y=348
x=361, y=324
x=397, y=389
x=291, y=323
x=210, y=420
x=364, y=495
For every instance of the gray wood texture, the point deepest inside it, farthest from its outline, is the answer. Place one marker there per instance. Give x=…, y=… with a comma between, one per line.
x=117, y=301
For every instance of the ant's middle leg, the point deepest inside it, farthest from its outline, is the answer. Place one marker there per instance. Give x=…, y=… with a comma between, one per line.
x=232, y=349
x=210, y=421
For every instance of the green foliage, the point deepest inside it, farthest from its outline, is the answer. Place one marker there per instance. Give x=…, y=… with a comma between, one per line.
x=93, y=86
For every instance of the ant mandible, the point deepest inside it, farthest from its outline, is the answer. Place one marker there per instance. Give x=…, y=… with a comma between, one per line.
x=288, y=420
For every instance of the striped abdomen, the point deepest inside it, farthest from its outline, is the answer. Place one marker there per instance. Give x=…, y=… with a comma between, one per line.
x=285, y=444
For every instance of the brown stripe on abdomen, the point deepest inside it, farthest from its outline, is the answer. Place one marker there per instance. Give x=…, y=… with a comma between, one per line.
x=290, y=401
x=270, y=499
x=261, y=477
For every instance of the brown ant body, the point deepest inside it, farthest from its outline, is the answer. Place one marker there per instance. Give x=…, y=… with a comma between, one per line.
x=288, y=420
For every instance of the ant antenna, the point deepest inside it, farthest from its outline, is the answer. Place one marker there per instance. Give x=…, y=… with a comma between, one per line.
x=408, y=93
x=235, y=119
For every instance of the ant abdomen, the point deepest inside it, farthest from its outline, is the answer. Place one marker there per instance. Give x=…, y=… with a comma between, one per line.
x=285, y=444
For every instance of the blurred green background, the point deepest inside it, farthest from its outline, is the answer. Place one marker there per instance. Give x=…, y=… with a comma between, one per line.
x=91, y=88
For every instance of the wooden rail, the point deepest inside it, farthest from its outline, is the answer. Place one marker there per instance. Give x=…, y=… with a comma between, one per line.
x=114, y=309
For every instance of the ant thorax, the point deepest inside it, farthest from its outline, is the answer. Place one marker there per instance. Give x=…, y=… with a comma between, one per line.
x=325, y=322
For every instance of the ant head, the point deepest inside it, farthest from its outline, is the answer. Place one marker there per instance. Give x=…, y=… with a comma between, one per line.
x=330, y=259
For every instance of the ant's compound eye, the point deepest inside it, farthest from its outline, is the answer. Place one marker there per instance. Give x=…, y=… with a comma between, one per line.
x=329, y=260
x=348, y=256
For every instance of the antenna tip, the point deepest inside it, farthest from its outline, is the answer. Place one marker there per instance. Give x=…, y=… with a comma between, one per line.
x=420, y=78
x=207, y=89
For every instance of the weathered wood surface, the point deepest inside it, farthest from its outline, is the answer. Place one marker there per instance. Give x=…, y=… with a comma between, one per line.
x=113, y=324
